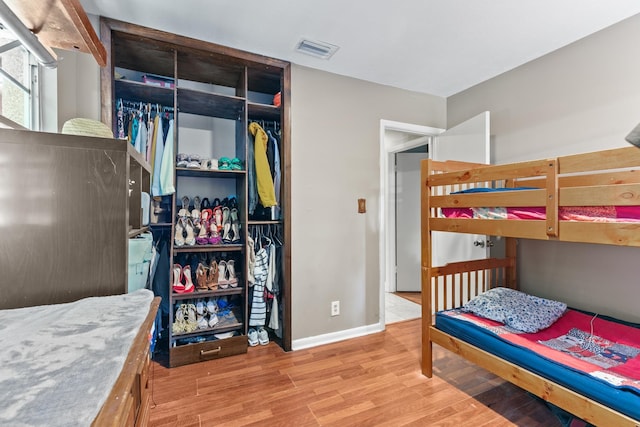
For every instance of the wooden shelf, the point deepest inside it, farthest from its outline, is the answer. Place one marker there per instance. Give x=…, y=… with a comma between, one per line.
x=210, y=104
x=206, y=173
x=141, y=92
x=209, y=248
x=204, y=294
x=263, y=111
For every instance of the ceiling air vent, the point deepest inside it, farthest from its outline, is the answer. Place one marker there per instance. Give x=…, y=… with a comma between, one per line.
x=316, y=48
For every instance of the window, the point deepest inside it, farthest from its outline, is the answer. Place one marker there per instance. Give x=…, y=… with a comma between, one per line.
x=19, y=89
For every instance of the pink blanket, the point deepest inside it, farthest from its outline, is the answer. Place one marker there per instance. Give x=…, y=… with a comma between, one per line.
x=575, y=213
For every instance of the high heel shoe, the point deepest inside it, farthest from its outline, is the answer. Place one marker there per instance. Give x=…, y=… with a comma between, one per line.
x=214, y=234
x=212, y=278
x=178, y=326
x=179, y=236
x=217, y=217
x=235, y=226
x=184, y=212
x=231, y=272
x=188, y=283
x=203, y=234
x=191, y=320
x=226, y=225
x=201, y=278
x=212, y=309
x=195, y=213
x=190, y=239
x=177, y=285
x=223, y=282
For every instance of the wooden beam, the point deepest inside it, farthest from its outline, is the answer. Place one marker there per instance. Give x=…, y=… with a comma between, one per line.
x=61, y=24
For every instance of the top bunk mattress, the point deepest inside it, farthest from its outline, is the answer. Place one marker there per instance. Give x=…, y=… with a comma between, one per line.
x=565, y=213
x=596, y=357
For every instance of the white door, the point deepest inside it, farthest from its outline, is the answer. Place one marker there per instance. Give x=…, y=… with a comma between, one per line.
x=469, y=142
x=408, y=220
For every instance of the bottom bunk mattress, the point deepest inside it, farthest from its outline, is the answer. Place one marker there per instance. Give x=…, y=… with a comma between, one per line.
x=594, y=356
x=58, y=363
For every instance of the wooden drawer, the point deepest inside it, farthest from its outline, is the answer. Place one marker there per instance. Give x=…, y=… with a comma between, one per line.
x=209, y=350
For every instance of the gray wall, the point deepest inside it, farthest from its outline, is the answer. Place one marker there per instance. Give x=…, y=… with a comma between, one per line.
x=335, y=160
x=580, y=98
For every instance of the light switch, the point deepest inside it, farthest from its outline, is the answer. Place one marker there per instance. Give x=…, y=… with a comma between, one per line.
x=362, y=206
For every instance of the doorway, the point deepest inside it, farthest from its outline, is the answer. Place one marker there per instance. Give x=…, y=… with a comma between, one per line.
x=468, y=141
x=395, y=138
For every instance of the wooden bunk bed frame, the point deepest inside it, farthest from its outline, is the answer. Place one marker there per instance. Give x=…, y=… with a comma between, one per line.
x=591, y=179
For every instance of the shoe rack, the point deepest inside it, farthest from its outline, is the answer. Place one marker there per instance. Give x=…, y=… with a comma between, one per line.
x=214, y=93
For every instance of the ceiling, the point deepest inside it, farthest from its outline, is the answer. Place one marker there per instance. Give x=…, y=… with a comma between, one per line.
x=439, y=47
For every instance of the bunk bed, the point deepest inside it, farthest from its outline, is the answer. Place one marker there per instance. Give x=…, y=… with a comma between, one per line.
x=550, y=199
x=84, y=362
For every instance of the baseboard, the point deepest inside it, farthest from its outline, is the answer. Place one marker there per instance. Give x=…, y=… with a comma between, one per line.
x=332, y=337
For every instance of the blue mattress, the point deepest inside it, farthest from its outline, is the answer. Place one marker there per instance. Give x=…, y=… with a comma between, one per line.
x=625, y=401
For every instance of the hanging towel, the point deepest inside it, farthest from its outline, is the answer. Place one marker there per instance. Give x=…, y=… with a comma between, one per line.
x=263, y=170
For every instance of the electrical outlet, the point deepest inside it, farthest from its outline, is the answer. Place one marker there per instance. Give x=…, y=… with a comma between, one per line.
x=335, y=308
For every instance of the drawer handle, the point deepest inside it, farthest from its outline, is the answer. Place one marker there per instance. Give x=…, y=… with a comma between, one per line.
x=210, y=352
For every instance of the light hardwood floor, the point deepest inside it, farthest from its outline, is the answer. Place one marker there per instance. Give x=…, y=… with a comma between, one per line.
x=369, y=381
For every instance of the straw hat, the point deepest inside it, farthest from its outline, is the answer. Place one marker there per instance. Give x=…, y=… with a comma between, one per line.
x=86, y=127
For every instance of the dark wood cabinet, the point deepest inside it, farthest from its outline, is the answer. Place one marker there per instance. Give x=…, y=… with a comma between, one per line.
x=70, y=204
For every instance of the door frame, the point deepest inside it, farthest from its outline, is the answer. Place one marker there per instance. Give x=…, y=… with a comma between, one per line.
x=387, y=235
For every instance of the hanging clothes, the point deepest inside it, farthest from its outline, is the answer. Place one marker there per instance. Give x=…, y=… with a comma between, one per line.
x=166, y=168
x=150, y=140
x=143, y=135
x=251, y=260
x=258, y=316
x=277, y=174
x=251, y=172
x=157, y=158
x=263, y=172
x=120, y=120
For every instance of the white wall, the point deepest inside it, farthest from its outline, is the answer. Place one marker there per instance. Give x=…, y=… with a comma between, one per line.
x=580, y=98
x=78, y=87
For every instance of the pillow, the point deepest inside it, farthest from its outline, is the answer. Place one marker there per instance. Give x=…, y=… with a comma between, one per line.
x=516, y=309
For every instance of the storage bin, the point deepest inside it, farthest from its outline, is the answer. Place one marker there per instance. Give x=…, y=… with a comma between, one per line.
x=140, y=252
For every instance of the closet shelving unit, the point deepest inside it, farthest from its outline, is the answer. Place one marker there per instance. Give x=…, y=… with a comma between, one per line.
x=225, y=89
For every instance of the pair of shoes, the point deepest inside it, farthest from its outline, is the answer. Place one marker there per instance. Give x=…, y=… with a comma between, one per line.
x=253, y=337
x=227, y=164
x=263, y=336
x=209, y=164
x=227, y=274
x=191, y=161
x=185, y=320
x=182, y=282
